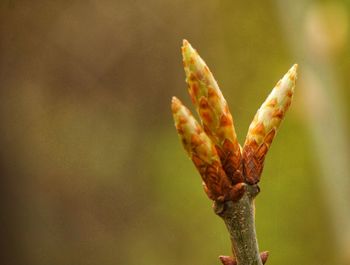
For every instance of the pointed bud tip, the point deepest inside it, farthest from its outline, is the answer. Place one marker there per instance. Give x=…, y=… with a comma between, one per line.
x=175, y=104
x=174, y=99
x=187, y=47
x=293, y=72
x=294, y=68
x=185, y=42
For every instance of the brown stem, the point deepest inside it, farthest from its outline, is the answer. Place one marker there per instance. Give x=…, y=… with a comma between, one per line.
x=239, y=219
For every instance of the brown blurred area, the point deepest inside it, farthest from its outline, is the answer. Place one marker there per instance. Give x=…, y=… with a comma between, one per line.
x=91, y=168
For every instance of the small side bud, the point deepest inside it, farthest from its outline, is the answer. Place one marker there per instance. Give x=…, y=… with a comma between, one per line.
x=264, y=256
x=227, y=260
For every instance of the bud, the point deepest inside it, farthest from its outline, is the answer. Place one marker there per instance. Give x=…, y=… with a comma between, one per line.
x=265, y=124
x=213, y=147
x=193, y=138
x=204, y=155
x=213, y=110
x=227, y=260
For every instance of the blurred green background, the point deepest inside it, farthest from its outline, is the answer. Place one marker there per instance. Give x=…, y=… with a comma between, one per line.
x=92, y=171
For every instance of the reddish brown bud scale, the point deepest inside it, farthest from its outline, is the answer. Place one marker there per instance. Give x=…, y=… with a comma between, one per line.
x=264, y=256
x=231, y=161
x=237, y=191
x=227, y=260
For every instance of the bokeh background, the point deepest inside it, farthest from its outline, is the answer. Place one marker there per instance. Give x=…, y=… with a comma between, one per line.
x=92, y=171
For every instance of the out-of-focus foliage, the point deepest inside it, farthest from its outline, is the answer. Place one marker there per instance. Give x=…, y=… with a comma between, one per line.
x=92, y=171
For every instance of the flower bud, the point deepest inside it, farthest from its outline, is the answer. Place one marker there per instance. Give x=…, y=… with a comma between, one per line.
x=213, y=110
x=265, y=124
x=203, y=154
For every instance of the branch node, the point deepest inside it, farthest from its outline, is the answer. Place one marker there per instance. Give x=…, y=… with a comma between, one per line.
x=219, y=207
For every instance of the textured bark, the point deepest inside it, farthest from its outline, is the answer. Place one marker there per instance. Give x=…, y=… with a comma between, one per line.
x=239, y=219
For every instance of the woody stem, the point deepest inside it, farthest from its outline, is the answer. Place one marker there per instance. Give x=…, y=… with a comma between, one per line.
x=239, y=219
